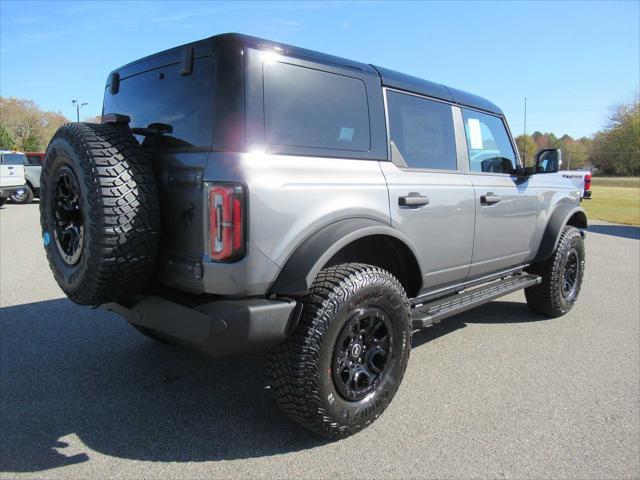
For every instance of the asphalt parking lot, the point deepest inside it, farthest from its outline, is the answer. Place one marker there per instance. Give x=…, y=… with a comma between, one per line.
x=496, y=392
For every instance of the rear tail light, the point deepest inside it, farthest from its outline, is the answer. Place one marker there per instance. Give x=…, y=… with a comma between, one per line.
x=226, y=222
x=587, y=182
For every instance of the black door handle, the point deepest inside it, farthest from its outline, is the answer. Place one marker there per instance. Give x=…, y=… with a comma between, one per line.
x=414, y=199
x=489, y=199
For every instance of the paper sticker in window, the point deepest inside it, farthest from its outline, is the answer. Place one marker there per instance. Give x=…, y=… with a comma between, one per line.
x=475, y=135
x=346, y=134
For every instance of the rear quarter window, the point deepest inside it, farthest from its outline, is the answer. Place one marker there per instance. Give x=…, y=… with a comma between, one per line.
x=305, y=107
x=163, y=95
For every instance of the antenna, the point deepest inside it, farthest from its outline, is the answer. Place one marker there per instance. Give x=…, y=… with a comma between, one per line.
x=524, y=137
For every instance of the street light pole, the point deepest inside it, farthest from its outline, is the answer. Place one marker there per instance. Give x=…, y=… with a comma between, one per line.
x=78, y=106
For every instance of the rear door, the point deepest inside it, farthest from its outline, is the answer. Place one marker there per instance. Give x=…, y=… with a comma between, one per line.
x=431, y=199
x=506, y=206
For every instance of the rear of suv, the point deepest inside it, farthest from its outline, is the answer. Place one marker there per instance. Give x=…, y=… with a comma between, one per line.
x=242, y=195
x=32, y=162
x=12, y=175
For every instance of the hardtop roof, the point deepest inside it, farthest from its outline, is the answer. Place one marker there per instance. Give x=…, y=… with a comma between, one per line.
x=389, y=78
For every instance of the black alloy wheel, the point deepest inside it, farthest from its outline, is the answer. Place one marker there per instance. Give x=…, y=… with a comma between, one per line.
x=67, y=212
x=361, y=354
x=570, y=272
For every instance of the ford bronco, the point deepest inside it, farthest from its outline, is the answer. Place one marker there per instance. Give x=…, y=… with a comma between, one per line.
x=242, y=195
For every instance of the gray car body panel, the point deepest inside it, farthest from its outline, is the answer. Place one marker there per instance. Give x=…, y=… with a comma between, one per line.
x=32, y=175
x=304, y=204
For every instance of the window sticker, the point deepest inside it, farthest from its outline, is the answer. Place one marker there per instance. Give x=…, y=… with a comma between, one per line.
x=346, y=134
x=475, y=134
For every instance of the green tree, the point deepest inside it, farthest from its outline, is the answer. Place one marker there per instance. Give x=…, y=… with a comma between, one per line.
x=6, y=140
x=527, y=148
x=616, y=149
x=29, y=126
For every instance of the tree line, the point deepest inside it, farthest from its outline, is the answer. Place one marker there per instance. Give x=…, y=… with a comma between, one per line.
x=24, y=126
x=615, y=150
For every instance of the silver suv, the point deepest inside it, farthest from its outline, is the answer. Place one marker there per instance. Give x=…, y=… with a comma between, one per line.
x=242, y=195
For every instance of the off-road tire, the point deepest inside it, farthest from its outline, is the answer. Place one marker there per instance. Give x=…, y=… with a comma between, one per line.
x=119, y=204
x=3, y=201
x=27, y=198
x=300, y=369
x=547, y=298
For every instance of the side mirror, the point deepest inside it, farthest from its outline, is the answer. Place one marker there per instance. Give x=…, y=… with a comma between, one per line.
x=548, y=160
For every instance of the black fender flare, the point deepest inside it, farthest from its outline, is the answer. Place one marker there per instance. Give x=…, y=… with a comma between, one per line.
x=559, y=218
x=302, y=267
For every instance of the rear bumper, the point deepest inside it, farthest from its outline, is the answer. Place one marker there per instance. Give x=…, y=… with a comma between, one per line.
x=218, y=327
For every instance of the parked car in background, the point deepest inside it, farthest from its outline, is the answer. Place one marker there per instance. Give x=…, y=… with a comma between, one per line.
x=581, y=179
x=12, y=177
x=32, y=162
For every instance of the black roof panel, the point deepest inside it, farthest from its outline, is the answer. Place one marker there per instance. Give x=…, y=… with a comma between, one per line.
x=389, y=78
x=402, y=81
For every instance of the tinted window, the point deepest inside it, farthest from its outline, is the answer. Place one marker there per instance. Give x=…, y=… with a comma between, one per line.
x=163, y=95
x=421, y=132
x=488, y=143
x=14, y=159
x=309, y=108
x=34, y=160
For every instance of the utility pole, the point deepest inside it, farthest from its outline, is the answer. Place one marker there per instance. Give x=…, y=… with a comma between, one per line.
x=78, y=106
x=524, y=138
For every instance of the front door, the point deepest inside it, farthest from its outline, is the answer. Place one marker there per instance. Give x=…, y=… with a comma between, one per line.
x=506, y=206
x=431, y=200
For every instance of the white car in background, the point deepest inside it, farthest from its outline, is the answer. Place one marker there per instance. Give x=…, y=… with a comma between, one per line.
x=11, y=174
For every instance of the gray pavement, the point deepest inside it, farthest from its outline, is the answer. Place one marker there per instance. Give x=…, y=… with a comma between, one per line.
x=495, y=392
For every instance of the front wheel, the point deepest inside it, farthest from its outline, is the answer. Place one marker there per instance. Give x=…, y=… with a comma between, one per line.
x=561, y=276
x=343, y=364
x=3, y=200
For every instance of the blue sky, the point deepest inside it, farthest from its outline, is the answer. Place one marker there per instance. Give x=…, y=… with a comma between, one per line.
x=572, y=60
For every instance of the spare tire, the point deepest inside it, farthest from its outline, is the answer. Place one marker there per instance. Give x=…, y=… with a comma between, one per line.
x=99, y=213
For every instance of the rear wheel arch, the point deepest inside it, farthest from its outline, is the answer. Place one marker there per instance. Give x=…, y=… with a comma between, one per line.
x=386, y=252
x=361, y=240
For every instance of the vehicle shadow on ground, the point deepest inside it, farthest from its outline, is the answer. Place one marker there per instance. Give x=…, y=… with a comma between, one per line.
x=83, y=374
x=624, y=231
x=77, y=382
x=490, y=313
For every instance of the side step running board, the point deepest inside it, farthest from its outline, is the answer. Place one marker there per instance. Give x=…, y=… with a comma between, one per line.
x=432, y=312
